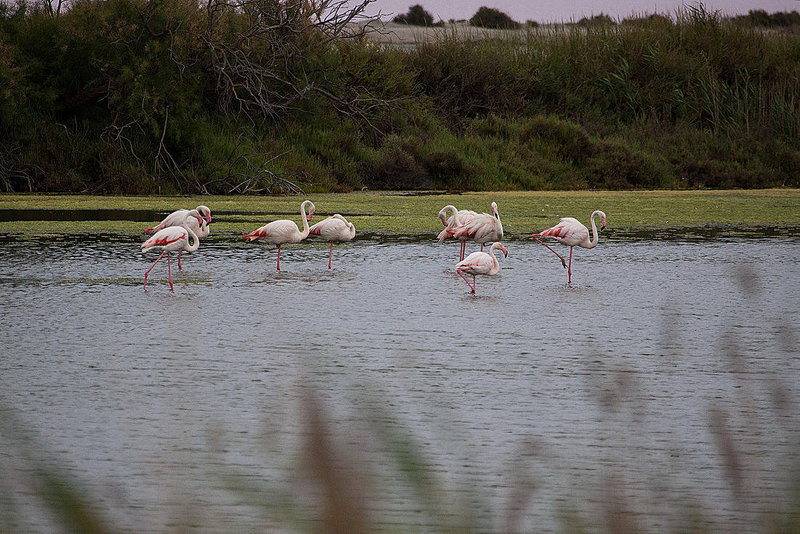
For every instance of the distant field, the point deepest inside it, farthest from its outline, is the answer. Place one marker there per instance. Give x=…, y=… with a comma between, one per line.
x=402, y=214
x=405, y=35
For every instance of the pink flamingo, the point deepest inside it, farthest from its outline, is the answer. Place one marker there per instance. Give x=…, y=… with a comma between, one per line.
x=334, y=228
x=458, y=218
x=197, y=219
x=481, y=228
x=176, y=218
x=573, y=233
x=169, y=239
x=284, y=231
x=480, y=263
x=197, y=225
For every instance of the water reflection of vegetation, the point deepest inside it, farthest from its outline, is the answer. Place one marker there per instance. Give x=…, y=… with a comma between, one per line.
x=327, y=486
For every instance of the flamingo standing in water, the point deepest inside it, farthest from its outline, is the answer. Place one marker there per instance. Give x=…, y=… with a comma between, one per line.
x=481, y=227
x=169, y=239
x=284, y=231
x=334, y=228
x=458, y=218
x=199, y=226
x=176, y=218
x=573, y=233
x=197, y=219
x=480, y=263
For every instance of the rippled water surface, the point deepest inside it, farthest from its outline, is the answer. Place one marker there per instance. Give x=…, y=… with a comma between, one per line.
x=664, y=378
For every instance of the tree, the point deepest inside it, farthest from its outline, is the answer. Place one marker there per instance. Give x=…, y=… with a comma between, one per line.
x=487, y=17
x=416, y=16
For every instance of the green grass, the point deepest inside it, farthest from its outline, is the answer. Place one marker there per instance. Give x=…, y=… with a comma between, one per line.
x=395, y=214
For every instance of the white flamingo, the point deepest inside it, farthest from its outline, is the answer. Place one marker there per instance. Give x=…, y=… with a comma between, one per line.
x=480, y=263
x=572, y=232
x=481, y=228
x=458, y=218
x=196, y=224
x=284, y=231
x=169, y=239
x=176, y=218
x=334, y=228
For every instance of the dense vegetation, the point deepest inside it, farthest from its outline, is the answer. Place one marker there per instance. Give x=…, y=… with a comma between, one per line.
x=171, y=96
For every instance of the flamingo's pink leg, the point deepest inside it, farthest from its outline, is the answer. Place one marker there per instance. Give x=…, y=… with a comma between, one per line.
x=563, y=263
x=330, y=255
x=150, y=269
x=179, y=260
x=279, y=257
x=169, y=271
x=471, y=286
x=569, y=270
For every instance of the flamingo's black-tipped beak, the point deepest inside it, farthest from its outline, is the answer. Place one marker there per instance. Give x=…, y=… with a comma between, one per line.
x=603, y=227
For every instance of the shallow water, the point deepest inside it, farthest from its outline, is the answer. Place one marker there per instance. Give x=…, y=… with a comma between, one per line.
x=605, y=391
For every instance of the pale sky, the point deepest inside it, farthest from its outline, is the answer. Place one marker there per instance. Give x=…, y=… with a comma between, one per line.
x=566, y=10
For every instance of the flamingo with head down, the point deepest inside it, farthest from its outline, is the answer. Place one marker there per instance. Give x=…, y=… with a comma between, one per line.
x=458, y=218
x=480, y=263
x=572, y=232
x=284, y=231
x=334, y=228
x=481, y=228
x=176, y=218
x=167, y=240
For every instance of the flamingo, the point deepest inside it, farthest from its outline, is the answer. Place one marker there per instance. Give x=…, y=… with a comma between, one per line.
x=334, y=228
x=177, y=217
x=481, y=228
x=284, y=231
x=573, y=233
x=194, y=222
x=456, y=219
x=480, y=263
x=169, y=239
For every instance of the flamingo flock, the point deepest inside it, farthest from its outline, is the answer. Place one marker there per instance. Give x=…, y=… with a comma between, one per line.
x=182, y=230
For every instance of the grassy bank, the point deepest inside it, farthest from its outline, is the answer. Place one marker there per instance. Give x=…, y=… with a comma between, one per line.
x=399, y=214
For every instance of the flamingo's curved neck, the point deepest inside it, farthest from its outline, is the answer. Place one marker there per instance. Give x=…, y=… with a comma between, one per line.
x=195, y=241
x=496, y=266
x=304, y=233
x=595, y=236
x=449, y=208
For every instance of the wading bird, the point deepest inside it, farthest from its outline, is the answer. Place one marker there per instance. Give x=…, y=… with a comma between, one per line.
x=573, y=233
x=201, y=229
x=480, y=263
x=284, y=231
x=481, y=228
x=334, y=228
x=458, y=218
x=169, y=239
x=176, y=218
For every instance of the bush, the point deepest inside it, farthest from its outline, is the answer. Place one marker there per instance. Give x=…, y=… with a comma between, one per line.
x=597, y=20
x=487, y=17
x=416, y=16
x=396, y=168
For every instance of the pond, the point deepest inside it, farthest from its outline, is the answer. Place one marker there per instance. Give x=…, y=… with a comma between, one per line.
x=658, y=388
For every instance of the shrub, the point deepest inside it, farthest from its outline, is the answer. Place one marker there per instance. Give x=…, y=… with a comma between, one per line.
x=396, y=168
x=487, y=17
x=416, y=16
x=597, y=20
